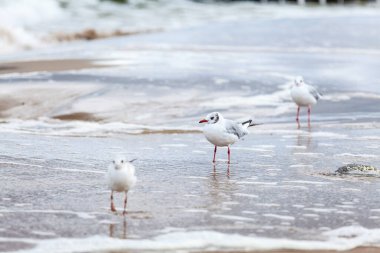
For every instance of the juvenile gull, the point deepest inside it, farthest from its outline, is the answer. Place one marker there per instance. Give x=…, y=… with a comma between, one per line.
x=223, y=132
x=121, y=178
x=304, y=95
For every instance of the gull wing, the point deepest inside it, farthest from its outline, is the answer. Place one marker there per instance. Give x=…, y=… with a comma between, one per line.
x=235, y=128
x=313, y=91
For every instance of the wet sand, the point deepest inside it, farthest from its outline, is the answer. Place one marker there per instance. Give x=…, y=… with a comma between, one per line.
x=46, y=66
x=357, y=250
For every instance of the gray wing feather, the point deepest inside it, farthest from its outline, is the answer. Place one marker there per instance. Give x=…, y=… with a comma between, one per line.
x=313, y=91
x=235, y=128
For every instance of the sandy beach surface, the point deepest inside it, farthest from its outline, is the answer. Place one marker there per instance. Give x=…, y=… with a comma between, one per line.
x=67, y=110
x=280, y=185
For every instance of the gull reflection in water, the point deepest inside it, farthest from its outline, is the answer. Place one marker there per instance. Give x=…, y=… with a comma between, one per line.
x=118, y=231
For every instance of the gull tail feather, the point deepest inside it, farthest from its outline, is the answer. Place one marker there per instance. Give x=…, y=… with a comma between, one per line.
x=250, y=123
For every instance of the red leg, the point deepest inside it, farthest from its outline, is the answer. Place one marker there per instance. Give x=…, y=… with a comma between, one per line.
x=309, y=115
x=214, y=155
x=229, y=155
x=113, y=209
x=298, y=117
x=125, y=203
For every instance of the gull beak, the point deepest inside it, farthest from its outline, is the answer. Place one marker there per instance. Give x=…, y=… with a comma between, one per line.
x=203, y=121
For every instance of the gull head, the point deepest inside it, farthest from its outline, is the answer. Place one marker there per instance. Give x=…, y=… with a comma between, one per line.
x=211, y=118
x=119, y=162
x=298, y=81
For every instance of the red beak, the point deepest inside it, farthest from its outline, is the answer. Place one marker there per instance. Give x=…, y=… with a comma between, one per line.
x=203, y=121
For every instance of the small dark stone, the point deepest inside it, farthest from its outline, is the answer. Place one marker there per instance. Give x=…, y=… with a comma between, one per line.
x=355, y=167
x=118, y=1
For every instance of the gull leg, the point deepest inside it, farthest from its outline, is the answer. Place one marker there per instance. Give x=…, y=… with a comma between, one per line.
x=229, y=155
x=298, y=117
x=125, y=203
x=309, y=115
x=124, y=229
x=214, y=155
x=113, y=209
x=112, y=229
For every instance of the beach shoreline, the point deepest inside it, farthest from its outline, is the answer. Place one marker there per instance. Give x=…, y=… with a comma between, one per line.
x=67, y=110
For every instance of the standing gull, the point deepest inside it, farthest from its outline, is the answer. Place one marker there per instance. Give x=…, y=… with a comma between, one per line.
x=304, y=95
x=121, y=178
x=222, y=132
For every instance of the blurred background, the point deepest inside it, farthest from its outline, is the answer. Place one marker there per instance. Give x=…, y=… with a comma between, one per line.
x=161, y=64
x=27, y=24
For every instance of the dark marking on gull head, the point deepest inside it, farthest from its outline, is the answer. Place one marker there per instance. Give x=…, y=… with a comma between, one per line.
x=213, y=117
x=298, y=81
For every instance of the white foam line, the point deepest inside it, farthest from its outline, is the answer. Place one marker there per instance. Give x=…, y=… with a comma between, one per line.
x=218, y=48
x=292, y=187
x=195, y=177
x=232, y=217
x=294, y=146
x=356, y=155
x=281, y=217
x=321, y=210
x=257, y=183
x=199, y=152
x=300, y=165
x=345, y=212
x=246, y=195
x=253, y=149
x=77, y=170
x=306, y=182
x=351, y=189
x=82, y=215
x=195, y=211
x=345, y=238
x=309, y=154
x=312, y=215
x=267, y=204
x=22, y=164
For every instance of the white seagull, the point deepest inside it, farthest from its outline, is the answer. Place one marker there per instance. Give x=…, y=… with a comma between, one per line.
x=223, y=132
x=304, y=95
x=121, y=178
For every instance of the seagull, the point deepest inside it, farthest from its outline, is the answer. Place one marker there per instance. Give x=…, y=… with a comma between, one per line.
x=304, y=95
x=121, y=178
x=223, y=132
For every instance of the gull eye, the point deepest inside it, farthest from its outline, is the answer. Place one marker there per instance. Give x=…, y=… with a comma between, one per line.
x=212, y=118
x=122, y=161
x=113, y=162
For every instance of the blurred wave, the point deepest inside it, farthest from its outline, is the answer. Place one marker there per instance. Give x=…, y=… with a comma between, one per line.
x=28, y=24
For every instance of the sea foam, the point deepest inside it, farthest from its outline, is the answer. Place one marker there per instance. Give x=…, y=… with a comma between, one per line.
x=344, y=238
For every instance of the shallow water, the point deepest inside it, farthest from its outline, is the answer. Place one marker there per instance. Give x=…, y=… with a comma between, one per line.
x=276, y=186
